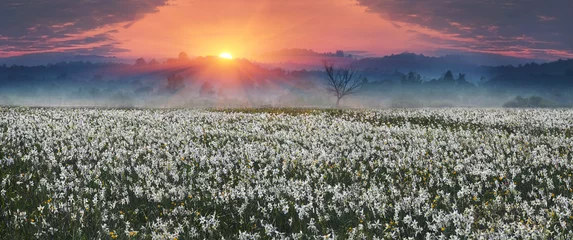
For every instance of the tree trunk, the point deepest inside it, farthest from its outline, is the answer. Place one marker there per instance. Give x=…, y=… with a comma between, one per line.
x=337, y=102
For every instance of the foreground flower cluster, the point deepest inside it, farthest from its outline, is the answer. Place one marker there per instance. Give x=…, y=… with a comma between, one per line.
x=186, y=174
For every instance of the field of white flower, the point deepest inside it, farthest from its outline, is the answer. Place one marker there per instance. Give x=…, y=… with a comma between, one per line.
x=293, y=174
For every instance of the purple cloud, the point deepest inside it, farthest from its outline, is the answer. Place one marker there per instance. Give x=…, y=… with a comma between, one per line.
x=36, y=25
x=543, y=27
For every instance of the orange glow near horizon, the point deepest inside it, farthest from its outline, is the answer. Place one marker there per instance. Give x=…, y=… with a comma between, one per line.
x=251, y=28
x=258, y=26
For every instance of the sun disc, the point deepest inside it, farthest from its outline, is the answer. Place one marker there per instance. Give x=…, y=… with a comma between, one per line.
x=226, y=55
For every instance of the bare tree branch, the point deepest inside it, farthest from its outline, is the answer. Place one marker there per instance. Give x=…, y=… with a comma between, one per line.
x=342, y=81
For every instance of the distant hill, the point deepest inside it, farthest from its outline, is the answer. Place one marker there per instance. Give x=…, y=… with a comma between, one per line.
x=295, y=58
x=393, y=67
x=36, y=59
x=476, y=66
x=557, y=74
x=223, y=73
x=298, y=52
x=430, y=66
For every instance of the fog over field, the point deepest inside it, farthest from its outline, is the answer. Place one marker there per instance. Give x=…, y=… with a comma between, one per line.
x=403, y=80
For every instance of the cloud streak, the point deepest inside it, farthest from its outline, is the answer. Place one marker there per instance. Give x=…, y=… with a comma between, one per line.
x=60, y=25
x=526, y=28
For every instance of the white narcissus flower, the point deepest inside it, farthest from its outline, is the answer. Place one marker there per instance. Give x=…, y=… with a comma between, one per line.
x=407, y=173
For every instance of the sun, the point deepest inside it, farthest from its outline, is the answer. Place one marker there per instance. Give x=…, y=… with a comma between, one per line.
x=226, y=55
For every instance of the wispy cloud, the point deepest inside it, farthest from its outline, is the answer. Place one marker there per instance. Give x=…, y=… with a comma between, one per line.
x=64, y=25
x=526, y=28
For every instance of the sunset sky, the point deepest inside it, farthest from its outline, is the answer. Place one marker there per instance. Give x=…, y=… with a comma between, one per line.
x=246, y=28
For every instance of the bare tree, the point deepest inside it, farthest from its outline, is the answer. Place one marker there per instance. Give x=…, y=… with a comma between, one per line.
x=342, y=82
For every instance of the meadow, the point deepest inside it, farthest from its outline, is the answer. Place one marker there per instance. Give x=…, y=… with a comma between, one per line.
x=453, y=173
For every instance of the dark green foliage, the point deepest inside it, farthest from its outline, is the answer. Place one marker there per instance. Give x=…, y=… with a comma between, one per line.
x=411, y=79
